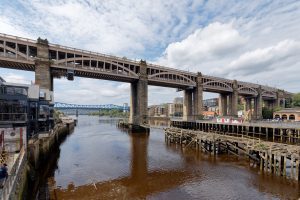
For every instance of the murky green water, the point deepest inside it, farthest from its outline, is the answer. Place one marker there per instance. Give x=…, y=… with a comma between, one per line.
x=100, y=161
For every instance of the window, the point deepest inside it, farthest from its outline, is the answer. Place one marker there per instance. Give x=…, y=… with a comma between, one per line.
x=292, y=117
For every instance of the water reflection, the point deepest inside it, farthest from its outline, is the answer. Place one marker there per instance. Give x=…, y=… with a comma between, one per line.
x=100, y=161
x=267, y=184
x=139, y=184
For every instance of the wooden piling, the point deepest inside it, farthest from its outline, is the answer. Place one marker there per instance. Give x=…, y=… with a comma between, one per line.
x=284, y=166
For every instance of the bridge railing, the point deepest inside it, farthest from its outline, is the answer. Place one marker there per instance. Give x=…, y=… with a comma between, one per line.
x=92, y=53
x=17, y=38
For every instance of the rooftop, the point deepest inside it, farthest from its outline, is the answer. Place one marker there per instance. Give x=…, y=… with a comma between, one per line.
x=289, y=110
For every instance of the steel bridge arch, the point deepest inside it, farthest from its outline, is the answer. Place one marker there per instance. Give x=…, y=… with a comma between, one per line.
x=268, y=93
x=248, y=89
x=62, y=61
x=17, y=52
x=170, y=73
x=220, y=82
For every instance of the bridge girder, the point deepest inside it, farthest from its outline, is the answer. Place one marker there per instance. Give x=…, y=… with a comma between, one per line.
x=21, y=53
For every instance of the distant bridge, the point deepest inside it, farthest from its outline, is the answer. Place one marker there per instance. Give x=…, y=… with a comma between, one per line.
x=59, y=105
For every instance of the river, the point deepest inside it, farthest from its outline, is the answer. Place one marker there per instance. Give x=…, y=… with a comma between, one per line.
x=100, y=161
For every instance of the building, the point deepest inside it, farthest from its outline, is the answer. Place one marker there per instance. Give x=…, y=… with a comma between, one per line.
x=25, y=111
x=151, y=111
x=211, y=104
x=26, y=106
x=175, y=110
x=178, y=100
x=158, y=110
x=291, y=114
x=208, y=114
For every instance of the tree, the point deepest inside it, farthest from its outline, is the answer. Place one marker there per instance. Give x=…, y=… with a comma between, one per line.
x=267, y=113
x=296, y=100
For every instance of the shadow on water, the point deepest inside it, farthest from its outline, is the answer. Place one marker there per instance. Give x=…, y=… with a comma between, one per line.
x=139, y=184
x=38, y=179
x=141, y=166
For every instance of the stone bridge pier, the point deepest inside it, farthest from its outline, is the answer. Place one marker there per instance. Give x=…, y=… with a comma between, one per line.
x=193, y=101
x=43, y=76
x=139, y=99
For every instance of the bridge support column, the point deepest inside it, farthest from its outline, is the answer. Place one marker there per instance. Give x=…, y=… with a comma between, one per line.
x=258, y=105
x=198, y=98
x=234, y=99
x=223, y=105
x=43, y=75
x=249, y=108
x=139, y=99
x=187, y=105
x=229, y=100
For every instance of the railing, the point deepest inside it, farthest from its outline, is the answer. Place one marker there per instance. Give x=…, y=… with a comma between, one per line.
x=60, y=47
x=18, y=38
x=13, y=117
x=14, y=175
x=20, y=91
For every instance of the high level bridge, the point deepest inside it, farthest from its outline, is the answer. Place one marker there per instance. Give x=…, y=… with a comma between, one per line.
x=51, y=60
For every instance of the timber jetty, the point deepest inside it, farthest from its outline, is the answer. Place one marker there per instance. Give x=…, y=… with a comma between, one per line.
x=275, y=150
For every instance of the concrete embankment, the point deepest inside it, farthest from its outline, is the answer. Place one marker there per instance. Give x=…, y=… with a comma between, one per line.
x=40, y=150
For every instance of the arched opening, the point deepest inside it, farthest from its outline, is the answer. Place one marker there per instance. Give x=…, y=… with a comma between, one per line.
x=277, y=116
x=292, y=117
x=284, y=117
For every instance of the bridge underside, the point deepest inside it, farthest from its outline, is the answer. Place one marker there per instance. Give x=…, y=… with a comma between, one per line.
x=93, y=74
x=19, y=65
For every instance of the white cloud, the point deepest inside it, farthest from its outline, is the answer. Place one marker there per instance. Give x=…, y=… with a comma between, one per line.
x=250, y=41
x=15, y=78
x=207, y=44
x=263, y=60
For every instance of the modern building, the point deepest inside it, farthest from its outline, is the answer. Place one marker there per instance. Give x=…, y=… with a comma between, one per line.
x=26, y=106
x=25, y=111
x=291, y=114
x=175, y=110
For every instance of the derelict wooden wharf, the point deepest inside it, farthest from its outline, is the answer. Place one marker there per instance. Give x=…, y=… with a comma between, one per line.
x=279, y=157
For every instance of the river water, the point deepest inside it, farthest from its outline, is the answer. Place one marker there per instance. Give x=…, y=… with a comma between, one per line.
x=100, y=161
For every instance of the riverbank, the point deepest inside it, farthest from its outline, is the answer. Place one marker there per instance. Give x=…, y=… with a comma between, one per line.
x=40, y=151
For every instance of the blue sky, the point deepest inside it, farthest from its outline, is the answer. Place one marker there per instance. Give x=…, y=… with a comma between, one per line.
x=256, y=41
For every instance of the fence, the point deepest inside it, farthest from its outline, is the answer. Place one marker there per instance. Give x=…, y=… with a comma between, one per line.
x=14, y=176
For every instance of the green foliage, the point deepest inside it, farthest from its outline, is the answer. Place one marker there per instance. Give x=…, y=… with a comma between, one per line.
x=267, y=113
x=111, y=113
x=56, y=115
x=200, y=117
x=240, y=107
x=277, y=108
x=296, y=100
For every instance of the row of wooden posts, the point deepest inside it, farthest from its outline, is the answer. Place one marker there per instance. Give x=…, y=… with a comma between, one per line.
x=276, y=158
x=265, y=131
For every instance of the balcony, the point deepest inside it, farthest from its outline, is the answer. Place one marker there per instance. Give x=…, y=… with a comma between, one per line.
x=11, y=118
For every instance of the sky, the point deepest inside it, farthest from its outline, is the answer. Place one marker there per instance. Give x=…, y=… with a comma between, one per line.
x=249, y=40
